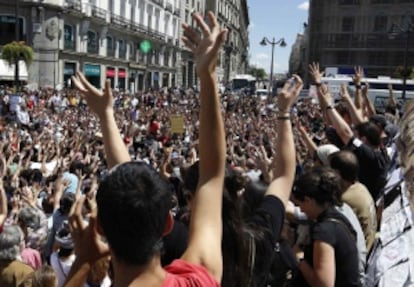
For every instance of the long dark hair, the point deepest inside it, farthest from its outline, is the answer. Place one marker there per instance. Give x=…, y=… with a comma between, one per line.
x=240, y=239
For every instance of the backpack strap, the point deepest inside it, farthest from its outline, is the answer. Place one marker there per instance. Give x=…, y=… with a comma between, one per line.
x=340, y=222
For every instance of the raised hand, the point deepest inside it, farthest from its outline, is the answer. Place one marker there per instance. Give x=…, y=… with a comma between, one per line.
x=88, y=244
x=289, y=94
x=325, y=97
x=206, y=46
x=315, y=72
x=98, y=101
x=359, y=74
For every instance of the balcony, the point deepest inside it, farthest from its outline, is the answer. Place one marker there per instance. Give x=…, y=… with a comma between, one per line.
x=73, y=5
x=119, y=20
x=169, y=7
x=158, y=2
x=177, y=12
x=98, y=12
x=139, y=28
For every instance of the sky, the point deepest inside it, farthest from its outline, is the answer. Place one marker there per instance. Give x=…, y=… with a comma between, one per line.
x=275, y=19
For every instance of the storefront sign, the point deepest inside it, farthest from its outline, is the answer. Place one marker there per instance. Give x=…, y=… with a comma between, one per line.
x=121, y=74
x=92, y=70
x=110, y=72
x=69, y=69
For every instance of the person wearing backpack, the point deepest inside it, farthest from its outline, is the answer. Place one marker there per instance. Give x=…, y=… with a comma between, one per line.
x=331, y=259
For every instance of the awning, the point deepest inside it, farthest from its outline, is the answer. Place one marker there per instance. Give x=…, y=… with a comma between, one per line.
x=7, y=72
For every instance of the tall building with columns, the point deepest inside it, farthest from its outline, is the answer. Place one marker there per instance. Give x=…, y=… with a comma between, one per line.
x=135, y=43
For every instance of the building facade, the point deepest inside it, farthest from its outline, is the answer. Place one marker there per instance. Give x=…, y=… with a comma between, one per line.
x=345, y=33
x=135, y=43
x=234, y=15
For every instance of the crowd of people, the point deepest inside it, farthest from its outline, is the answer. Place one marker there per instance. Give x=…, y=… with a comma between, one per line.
x=97, y=190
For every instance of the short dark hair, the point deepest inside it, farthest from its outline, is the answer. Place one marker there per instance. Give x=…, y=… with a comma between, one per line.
x=133, y=205
x=346, y=164
x=321, y=184
x=371, y=131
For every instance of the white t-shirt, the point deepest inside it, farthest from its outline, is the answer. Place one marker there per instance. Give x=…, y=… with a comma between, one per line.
x=62, y=268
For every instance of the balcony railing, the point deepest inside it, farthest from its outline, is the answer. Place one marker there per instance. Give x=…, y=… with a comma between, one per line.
x=169, y=7
x=158, y=2
x=119, y=20
x=74, y=5
x=98, y=12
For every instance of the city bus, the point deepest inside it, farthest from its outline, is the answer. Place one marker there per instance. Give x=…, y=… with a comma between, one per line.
x=378, y=88
x=243, y=83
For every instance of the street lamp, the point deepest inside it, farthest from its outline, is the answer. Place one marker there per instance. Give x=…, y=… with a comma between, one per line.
x=281, y=42
x=395, y=31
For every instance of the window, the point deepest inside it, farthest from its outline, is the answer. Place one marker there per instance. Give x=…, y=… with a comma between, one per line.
x=110, y=46
x=92, y=42
x=122, y=8
x=382, y=1
x=122, y=49
x=111, y=5
x=349, y=2
x=380, y=24
x=69, y=37
x=132, y=52
x=342, y=57
x=347, y=24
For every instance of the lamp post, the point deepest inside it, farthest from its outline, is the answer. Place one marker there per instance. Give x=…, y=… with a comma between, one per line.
x=281, y=42
x=395, y=31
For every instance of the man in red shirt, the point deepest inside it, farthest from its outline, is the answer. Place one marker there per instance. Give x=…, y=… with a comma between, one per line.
x=133, y=201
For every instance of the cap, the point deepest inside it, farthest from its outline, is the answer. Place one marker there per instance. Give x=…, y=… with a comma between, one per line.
x=324, y=151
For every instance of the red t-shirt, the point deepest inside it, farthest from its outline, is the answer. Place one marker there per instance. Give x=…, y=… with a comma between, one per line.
x=183, y=274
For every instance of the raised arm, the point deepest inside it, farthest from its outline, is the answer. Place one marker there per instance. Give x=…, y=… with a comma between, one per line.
x=3, y=204
x=206, y=224
x=356, y=115
x=340, y=125
x=357, y=78
x=310, y=144
x=369, y=107
x=285, y=162
x=316, y=75
x=101, y=103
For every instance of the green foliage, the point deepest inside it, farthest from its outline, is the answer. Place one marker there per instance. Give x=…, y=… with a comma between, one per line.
x=259, y=73
x=408, y=73
x=17, y=51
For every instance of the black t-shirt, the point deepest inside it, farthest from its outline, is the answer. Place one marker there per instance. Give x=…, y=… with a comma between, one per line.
x=373, y=166
x=340, y=237
x=269, y=217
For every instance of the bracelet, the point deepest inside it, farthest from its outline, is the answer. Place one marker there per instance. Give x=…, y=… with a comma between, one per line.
x=318, y=84
x=330, y=107
x=283, y=118
x=287, y=114
x=358, y=87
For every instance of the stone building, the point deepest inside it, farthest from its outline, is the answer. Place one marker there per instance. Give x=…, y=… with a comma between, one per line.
x=344, y=33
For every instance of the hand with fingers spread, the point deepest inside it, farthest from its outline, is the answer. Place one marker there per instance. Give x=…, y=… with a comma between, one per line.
x=325, y=97
x=88, y=244
x=289, y=94
x=98, y=101
x=205, y=47
x=359, y=74
x=315, y=72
